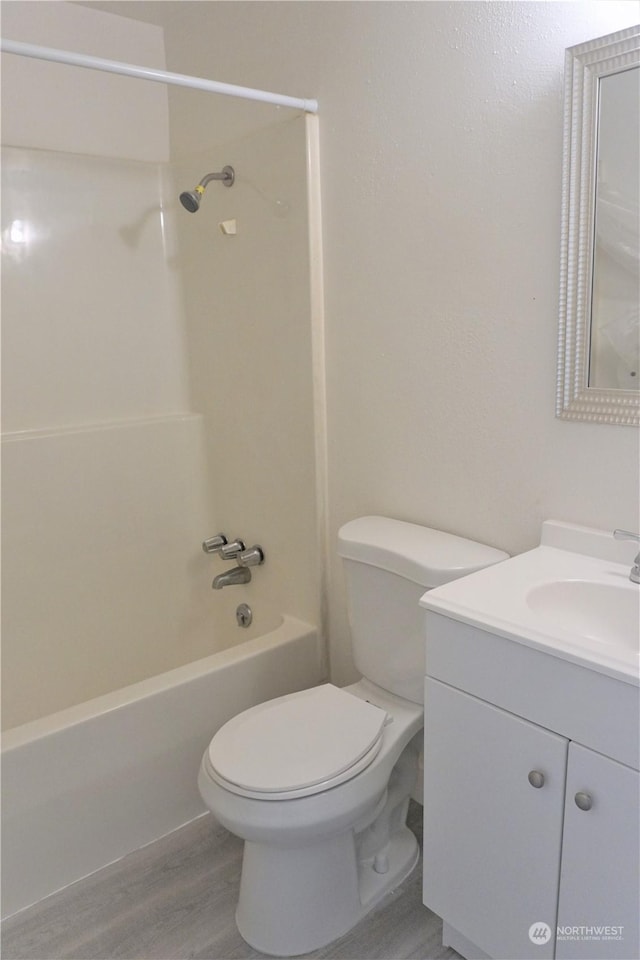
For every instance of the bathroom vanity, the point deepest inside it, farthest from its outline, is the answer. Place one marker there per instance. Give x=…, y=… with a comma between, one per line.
x=531, y=833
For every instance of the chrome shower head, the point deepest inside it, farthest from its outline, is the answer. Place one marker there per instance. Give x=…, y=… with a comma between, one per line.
x=190, y=199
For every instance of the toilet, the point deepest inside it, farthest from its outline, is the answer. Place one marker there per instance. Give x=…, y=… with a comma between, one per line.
x=317, y=783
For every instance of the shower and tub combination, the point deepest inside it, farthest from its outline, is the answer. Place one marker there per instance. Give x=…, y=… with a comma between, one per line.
x=137, y=420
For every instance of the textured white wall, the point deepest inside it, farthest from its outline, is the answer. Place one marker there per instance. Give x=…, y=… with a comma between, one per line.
x=441, y=128
x=57, y=107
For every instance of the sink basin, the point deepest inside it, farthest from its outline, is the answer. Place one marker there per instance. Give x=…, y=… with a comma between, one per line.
x=604, y=612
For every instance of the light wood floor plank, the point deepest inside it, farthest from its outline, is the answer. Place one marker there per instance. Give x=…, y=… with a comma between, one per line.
x=175, y=900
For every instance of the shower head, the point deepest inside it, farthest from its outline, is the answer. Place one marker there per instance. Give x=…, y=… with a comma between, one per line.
x=190, y=199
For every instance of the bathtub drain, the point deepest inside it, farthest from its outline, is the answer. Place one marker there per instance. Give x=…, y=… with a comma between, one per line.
x=244, y=615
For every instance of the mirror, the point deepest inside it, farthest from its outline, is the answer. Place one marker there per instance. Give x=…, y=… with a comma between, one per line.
x=599, y=344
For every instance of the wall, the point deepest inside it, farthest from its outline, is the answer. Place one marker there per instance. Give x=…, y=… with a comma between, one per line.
x=441, y=130
x=75, y=110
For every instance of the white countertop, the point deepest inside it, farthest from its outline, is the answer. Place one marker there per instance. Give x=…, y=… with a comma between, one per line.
x=499, y=599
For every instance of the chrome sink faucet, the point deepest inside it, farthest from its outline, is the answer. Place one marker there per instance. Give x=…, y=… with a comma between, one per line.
x=634, y=575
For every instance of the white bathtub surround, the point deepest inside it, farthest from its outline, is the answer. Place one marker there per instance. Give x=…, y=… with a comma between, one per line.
x=104, y=581
x=159, y=389
x=249, y=312
x=158, y=382
x=92, y=326
x=85, y=786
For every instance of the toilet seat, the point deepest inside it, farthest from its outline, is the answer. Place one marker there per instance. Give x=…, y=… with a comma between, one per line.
x=296, y=745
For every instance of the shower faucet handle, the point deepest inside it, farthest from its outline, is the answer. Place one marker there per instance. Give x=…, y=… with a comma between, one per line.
x=252, y=557
x=229, y=551
x=214, y=544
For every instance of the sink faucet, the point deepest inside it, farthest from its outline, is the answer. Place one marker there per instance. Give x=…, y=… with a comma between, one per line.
x=634, y=576
x=235, y=575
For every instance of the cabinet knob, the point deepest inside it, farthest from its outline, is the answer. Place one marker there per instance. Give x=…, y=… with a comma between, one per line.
x=536, y=779
x=583, y=801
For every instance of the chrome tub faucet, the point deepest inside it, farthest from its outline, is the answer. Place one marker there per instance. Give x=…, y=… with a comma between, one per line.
x=229, y=577
x=236, y=550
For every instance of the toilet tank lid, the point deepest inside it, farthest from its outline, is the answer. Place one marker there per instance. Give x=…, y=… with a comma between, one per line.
x=425, y=556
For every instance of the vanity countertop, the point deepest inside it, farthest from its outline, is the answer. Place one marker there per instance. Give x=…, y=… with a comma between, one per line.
x=571, y=597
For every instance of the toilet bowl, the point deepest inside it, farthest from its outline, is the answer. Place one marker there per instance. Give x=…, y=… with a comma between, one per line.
x=317, y=783
x=325, y=843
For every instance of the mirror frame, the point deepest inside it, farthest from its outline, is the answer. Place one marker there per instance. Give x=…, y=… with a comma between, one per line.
x=585, y=64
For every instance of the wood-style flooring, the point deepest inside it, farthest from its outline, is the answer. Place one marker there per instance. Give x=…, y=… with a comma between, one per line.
x=175, y=900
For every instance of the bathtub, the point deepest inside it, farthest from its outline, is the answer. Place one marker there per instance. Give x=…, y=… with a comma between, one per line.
x=85, y=786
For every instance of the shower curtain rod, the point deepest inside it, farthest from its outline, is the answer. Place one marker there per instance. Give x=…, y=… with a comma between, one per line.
x=148, y=73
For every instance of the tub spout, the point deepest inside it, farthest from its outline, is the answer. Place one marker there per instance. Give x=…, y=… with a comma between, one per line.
x=235, y=575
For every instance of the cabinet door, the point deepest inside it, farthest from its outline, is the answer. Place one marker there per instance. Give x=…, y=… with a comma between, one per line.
x=491, y=839
x=599, y=880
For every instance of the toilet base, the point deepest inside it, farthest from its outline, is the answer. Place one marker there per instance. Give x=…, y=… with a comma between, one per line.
x=297, y=899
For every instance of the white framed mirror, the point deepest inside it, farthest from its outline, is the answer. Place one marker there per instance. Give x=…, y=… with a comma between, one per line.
x=599, y=332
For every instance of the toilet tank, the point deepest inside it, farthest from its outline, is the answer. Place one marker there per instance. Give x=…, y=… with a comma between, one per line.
x=389, y=564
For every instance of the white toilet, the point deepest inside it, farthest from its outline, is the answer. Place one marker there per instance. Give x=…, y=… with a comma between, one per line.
x=318, y=783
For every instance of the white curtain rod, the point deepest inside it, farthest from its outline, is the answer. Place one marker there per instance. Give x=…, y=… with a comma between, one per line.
x=148, y=73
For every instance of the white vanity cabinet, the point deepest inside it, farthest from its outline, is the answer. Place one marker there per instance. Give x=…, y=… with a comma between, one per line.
x=491, y=839
x=531, y=801
x=600, y=853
